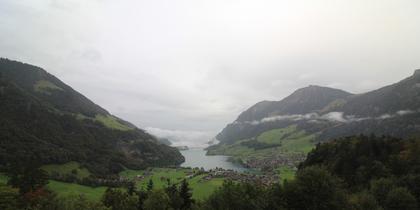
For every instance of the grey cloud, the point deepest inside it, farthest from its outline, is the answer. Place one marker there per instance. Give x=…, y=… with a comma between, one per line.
x=195, y=65
x=405, y=112
x=331, y=116
x=182, y=137
x=66, y=5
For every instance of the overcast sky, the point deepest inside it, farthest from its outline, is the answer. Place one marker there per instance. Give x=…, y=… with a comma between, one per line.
x=186, y=68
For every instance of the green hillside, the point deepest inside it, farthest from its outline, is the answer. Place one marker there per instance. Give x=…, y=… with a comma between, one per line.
x=286, y=141
x=201, y=189
x=331, y=113
x=68, y=168
x=46, y=121
x=3, y=179
x=70, y=189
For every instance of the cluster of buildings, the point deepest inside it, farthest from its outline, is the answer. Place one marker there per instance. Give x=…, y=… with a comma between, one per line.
x=271, y=163
x=266, y=179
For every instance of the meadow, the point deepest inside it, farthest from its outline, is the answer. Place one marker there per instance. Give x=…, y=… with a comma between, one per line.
x=67, y=168
x=200, y=189
x=3, y=179
x=288, y=140
x=286, y=173
x=70, y=189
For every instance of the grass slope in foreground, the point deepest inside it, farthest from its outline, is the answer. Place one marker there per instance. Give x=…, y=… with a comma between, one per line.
x=67, y=168
x=3, y=179
x=69, y=189
x=201, y=189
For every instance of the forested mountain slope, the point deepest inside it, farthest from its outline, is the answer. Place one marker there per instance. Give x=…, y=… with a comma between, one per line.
x=321, y=114
x=45, y=120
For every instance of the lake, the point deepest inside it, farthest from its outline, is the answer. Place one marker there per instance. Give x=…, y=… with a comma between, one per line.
x=198, y=158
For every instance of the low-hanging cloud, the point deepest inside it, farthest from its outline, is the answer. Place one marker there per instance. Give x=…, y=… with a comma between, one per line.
x=182, y=137
x=196, y=65
x=331, y=117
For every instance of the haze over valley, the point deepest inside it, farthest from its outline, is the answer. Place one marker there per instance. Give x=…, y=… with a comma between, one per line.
x=186, y=69
x=209, y=105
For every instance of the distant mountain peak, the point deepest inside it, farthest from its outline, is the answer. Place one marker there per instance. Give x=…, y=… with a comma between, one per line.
x=314, y=92
x=317, y=88
x=304, y=100
x=379, y=111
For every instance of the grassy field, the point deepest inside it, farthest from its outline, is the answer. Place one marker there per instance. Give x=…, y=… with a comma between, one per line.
x=112, y=122
x=67, y=168
x=159, y=176
x=201, y=189
x=286, y=173
x=274, y=136
x=3, y=179
x=45, y=86
x=106, y=120
x=288, y=140
x=68, y=189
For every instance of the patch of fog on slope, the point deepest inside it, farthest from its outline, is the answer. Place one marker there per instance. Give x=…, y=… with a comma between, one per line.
x=331, y=116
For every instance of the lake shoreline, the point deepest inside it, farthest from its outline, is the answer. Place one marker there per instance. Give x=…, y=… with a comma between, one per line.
x=197, y=157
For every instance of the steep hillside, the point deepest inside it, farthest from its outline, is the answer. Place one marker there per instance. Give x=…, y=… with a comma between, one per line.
x=401, y=96
x=326, y=113
x=44, y=119
x=263, y=116
x=392, y=110
x=302, y=101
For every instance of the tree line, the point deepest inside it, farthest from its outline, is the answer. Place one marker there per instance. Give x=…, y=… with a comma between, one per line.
x=353, y=173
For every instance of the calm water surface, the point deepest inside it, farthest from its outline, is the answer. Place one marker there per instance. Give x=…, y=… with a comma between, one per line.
x=198, y=158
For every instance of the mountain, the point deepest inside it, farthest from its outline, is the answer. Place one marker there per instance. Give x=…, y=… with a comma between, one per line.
x=392, y=110
x=404, y=95
x=45, y=120
x=164, y=141
x=306, y=100
x=316, y=114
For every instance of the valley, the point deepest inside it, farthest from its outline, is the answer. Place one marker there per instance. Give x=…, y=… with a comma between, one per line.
x=269, y=151
x=83, y=149
x=67, y=179
x=202, y=183
x=201, y=189
x=58, y=146
x=209, y=105
x=197, y=158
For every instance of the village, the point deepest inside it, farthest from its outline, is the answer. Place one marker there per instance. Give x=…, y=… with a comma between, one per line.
x=245, y=177
x=254, y=177
x=269, y=164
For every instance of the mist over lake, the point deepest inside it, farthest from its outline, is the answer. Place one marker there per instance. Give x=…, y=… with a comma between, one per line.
x=197, y=158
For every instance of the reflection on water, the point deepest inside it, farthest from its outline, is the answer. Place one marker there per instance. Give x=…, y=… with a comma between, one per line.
x=197, y=158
